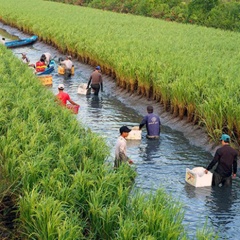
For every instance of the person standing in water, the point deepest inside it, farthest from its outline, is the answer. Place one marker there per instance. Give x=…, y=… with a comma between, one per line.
x=121, y=147
x=67, y=64
x=96, y=81
x=153, y=124
x=64, y=97
x=226, y=158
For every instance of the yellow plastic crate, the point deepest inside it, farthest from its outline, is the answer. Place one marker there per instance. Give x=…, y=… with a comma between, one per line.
x=46, y=80
x=72, y=70
x=61, y=70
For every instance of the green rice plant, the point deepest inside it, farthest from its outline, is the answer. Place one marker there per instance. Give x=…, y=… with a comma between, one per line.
x=46, y=218
x=69, y=184
x=159, y=219
x=206, y=232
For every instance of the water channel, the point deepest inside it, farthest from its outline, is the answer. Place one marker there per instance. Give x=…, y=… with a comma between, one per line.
x=158, y=163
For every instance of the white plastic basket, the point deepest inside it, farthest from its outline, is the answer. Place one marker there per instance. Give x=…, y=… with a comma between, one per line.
x=82, y=89
x=135, y=134
x=198, y=178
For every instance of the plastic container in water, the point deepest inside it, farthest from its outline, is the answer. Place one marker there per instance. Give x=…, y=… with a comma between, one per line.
x=82, y=89
x=73, y=108
x=72, y=70
x=135, y=134
x=61, y=70
x=198, y=178
x=46, y=80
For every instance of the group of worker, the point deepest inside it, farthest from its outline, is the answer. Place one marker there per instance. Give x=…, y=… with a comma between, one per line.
x=41, y=64
x=95, y=83
x=153, y=126
x=225, y=157
x=44, y=62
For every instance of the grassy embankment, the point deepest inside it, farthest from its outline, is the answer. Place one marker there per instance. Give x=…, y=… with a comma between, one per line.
x=192, y=71
x=54, y=180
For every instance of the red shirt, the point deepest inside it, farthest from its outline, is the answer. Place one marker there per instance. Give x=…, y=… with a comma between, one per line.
x=63, y=97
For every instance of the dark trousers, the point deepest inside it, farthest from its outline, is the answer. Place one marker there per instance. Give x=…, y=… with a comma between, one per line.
x=218, y=179
x=96, y=88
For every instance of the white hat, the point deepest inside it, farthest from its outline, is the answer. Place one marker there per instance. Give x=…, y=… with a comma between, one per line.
x=61, y=86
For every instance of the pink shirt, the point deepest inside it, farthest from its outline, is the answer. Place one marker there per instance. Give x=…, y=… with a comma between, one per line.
x=63, y=97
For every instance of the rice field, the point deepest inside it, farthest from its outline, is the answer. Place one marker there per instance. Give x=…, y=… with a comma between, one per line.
x=191, y=70
x=63, y=190
x=54, y=172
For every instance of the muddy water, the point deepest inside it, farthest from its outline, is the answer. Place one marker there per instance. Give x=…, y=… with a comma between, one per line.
x=158, y=163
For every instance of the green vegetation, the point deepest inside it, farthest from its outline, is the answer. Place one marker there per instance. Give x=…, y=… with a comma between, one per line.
x=192, y=71
x=54, y=176
x=224, y=14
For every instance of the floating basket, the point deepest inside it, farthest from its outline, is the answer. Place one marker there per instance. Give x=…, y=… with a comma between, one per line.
x=82, y=89
x=46, y=80
x=61, y=70
x=73, y=108
x=135, y=134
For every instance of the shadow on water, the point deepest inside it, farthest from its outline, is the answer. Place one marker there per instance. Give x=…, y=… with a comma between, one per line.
x=95, y=101
x=159, y=163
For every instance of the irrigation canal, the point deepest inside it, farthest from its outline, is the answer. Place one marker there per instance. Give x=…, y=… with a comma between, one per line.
x=158, y=163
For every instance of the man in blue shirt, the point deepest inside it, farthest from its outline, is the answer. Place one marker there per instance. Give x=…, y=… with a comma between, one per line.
x=152, y=122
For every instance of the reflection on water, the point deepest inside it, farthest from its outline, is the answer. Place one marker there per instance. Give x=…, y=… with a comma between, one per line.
x=149, y=152
x=159, y=163
x=95, y=101
x=223, y=206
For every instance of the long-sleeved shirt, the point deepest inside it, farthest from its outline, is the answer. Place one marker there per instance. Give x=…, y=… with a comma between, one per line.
x=120, y=151
x=226, y=157
x=95, y=78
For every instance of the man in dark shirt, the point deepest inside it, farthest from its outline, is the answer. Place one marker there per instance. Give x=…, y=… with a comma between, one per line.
x=226, y=157
x=152, y=122
x=96, y=81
